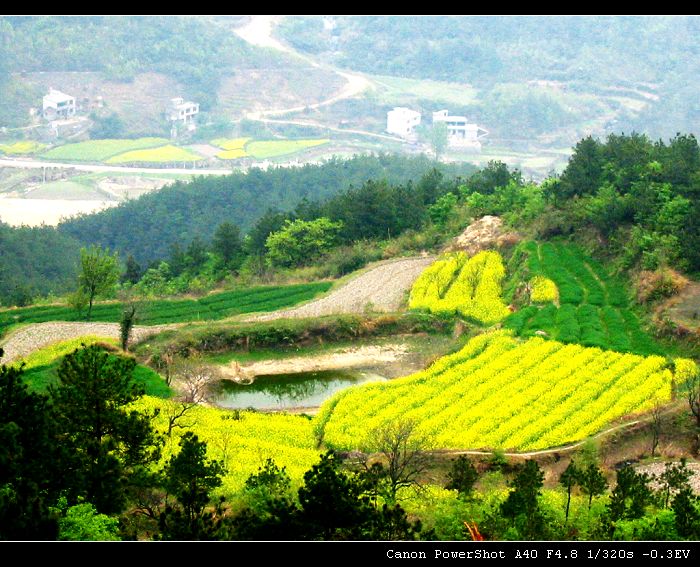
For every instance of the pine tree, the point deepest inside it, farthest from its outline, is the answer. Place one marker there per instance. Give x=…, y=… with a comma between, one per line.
x=592, y=482
x=105, y=444
x=462, y=476
x=568, y=479
x=190, y=478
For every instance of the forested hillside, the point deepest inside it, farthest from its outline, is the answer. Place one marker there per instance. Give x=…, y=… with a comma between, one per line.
x=194, y=51
x=149, y=226
x=43, y=260
x=35, y=262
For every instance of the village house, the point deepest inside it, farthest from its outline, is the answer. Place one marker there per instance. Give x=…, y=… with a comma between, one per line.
x=183, y=111
x=58, y=105
x=402, y=122
x=460, y=133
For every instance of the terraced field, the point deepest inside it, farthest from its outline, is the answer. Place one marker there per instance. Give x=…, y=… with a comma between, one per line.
x=26, y=147
x=100, y=150
x=161, y=154
x=593, y=306
x=456, y=283
x=235, y=148
x=158, y=312
x=499, y=392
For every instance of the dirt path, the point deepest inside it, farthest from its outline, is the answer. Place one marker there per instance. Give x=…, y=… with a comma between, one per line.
x=258, y=31
x=27, y=339
x=381, y=288
x=38, y=164
x=354, y=357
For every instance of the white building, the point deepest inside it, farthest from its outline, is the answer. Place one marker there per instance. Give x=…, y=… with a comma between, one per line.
x=58, y=105
x=402, y=121
x=183, y=111
x=460, y=133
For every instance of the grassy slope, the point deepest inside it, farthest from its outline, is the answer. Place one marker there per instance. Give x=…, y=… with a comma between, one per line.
x=41, y=366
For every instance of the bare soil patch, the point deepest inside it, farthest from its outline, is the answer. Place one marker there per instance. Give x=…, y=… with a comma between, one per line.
x=684, y=308
x=381, y=288
x=482, y=234
x=27, y=339
x=356, y=357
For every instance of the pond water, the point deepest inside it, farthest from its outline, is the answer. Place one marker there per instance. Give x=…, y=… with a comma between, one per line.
x=285, y=391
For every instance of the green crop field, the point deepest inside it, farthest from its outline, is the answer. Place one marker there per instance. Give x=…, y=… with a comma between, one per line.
x=100, y=150
x=161, y=154
x=403, y=90
x=499, y=392
x=456, y=283
x=21, y=148
x=594, y=308
x=208, y=308
x=276, y=148
x=41, y=365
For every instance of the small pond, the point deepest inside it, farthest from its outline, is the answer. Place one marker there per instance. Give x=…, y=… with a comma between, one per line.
x=286, y=391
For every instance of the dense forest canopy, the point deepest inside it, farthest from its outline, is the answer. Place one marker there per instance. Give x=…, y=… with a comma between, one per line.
x=148, y=227
x=35, y=262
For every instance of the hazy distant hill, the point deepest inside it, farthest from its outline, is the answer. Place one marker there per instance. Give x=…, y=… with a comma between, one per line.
x=648, y=57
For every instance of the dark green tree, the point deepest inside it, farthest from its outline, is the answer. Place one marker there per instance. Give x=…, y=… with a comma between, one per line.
x=687, y=517
x=126, y=323
x=133, y=271
x=196, y=254
x=630, y=496
x=27, y=461
x=522, y=503
x=676, y=477
x=569, y=479
x=109, y=126
x=177, y=260
x=190, y=478
x=333, y=505
x=495, y=174
x=390, y=523
x=107, y=447
x=583, y=174
x=271, y=221
x=462, y=476
x=592, y=482
x=228, y=245
x=99, y=273
x=270, y=513
x=273, y=480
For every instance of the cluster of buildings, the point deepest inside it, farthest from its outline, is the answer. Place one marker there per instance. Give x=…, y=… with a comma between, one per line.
x=57, y=105
x=403, y=121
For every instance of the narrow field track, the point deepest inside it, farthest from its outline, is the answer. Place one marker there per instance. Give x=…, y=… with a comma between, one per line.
x=26, y=340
